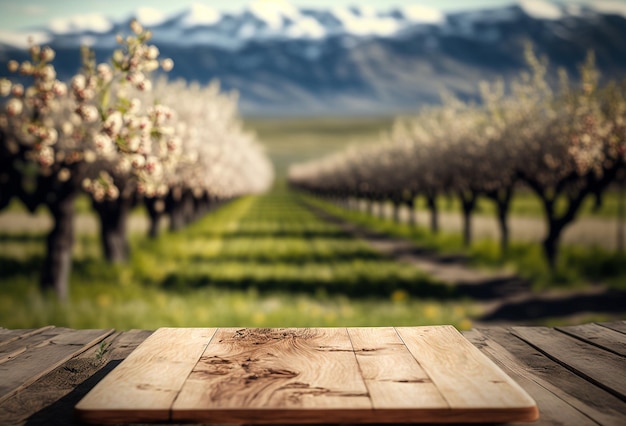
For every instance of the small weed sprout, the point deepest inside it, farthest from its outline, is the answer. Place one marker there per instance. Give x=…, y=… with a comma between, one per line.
x=103, y=348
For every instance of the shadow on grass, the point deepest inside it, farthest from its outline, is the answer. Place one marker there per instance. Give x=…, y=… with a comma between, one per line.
x=609, y=302
x=22, y=237
x=286, y=258
x=279, y=233
x=11, y=268
x=354, y=287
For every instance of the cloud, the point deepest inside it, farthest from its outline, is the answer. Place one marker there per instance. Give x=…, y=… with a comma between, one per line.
x=34, y=10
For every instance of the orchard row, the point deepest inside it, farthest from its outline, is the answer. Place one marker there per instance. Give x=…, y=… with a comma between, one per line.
x=564, y=144
x=124, y=137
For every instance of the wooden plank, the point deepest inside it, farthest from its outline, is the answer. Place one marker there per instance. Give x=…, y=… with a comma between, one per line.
x=602, y=337
x=563, y=398
x=600, y=367
x=10, y=336
x=307, y=376
x=454, y=364
x=615, y=325
x=18, y=373
x=277, y=375
x=28, y=341
x=393, y=377
x=52, y=398
x=143, y=387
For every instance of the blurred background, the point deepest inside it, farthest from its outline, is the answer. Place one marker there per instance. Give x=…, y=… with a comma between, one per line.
x=341, y=230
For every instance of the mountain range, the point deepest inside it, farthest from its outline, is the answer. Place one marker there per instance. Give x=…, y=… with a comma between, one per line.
x=357, y=60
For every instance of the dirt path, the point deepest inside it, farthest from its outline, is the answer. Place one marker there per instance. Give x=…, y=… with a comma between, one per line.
x=503, y=297
x=23, y=222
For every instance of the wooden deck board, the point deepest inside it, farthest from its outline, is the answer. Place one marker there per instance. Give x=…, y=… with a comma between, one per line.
x=392, y=377
x=26, y=368
x=56, y=393
x=604, y=369
x=602, y=337
x=9, y=336
x=615, y=325
x=22, y=343
x=146, y=384
x=312, y=375
x=564, y=396
x=560, y=394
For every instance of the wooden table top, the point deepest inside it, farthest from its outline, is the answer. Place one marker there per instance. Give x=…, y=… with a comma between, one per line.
x=576, y=375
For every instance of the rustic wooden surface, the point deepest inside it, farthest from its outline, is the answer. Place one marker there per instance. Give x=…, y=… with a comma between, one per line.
x=575, y=374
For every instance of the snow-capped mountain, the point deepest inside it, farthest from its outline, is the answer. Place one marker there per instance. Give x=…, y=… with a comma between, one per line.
x=349, y=60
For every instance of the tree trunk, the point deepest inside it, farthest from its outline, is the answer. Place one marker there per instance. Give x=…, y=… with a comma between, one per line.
x=412, y=212
x=113, y=228
x=188, y=208
x=396, y=211
x=502, y=198
x=369, y=206
x=468, y=202
x=434, y=216
x=557, y=224
x=551, y=243
x=58, y=261
x=155, y=208
x=381, y=209
x=503, y=212
x=621, y=213
x=177, y=218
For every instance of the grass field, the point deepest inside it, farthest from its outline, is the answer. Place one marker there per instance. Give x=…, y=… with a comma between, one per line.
x=577, y=266
x=267, y=261
x=291, y=141
x=259, y=261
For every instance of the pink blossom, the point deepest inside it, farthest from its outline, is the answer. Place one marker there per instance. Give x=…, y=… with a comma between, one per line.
x=14, y=107
x=47, y=54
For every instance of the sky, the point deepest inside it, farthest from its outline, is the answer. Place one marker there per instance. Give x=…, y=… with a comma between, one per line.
x=24, y=14
x=28, y=13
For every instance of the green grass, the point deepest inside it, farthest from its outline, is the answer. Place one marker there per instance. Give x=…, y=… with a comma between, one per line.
x=258, y=261
x=577, y=267
x=289, y=141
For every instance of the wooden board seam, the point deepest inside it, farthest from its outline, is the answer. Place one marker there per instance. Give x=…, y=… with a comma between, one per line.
x=62, y=361
x=425, y=371
x=26, y=335
x=609, y=328
x=515, y=365
x=171, y=409
x=572, y=369
x=589, y=341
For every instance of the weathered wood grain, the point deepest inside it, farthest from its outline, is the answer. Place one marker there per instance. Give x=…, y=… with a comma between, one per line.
x=393, y=377
x=615, y=325
x=17, y=373
x=52, y=398
x=145, y=385
x=26, y=341
x=466, y=378
x=562, y=397
x=9, y=336
x=274, y=374
x=323, y=375
x=602, y=337
x=605, y=369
